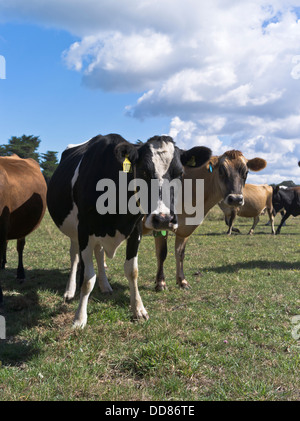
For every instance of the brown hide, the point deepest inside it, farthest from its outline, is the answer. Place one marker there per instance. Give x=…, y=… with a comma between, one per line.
x=257, y=198
x=22, y=204
x=23, y=195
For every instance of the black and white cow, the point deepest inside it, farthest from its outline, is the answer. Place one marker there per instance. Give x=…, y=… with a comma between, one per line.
x=287, y=199
x=72, y=197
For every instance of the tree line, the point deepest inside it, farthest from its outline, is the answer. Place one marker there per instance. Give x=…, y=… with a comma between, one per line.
x=26, y=147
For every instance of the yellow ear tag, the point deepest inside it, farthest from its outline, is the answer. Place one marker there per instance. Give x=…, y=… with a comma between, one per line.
x=191, y=162
x=126, y=164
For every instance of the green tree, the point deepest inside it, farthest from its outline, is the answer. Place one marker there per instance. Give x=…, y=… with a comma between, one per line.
x=24, y=147
x=49, y=164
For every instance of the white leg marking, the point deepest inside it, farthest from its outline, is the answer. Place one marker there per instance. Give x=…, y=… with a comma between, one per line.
x=102, y=279
x=71, y=285
x=131, y=273
x=86, y=288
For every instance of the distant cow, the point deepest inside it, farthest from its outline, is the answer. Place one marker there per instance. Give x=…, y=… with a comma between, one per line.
x=257, y=198
x=22, y=204
x=72, y=198
x=289, y=199
x=224, y=178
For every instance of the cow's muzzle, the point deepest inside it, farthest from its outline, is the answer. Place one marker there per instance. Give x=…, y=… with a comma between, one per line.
x=234, y=200
x=162, y=221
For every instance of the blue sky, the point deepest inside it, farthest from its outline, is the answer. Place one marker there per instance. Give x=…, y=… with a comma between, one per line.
x=41, y=96
x=224, y=74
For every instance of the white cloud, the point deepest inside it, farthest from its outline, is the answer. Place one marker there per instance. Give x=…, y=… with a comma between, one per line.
x=224, y=72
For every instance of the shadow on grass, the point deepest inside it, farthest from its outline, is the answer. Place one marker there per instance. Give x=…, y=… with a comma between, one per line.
x=23, y=310
x=254, y=264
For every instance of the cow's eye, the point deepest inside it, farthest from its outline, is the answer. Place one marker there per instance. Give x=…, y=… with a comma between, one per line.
x=222, y=171
x=245, y=174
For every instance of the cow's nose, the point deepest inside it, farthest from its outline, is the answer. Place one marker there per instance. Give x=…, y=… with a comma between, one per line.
x=235, y=200
x=162, y=220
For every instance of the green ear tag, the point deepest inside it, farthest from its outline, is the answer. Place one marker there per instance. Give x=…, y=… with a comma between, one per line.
x=191, y=162
x=159, y=233
x=126, y=164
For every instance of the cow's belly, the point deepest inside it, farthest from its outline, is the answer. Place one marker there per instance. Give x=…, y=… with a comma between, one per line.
x=109, y=244
x=26, y=218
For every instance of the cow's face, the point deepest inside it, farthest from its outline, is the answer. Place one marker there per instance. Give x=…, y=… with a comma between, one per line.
x=233, y=169
x=159, y=162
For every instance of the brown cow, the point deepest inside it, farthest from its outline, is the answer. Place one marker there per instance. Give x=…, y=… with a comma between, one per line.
x=257, y=198
x=224, y=179
x=22, y=204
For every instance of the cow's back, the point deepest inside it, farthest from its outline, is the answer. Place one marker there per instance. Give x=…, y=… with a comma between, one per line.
x=76, y=177
x=23, y=195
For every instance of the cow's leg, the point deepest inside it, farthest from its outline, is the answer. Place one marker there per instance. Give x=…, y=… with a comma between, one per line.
x=230, y=223
x=255, y=222
x=131, y=273
x=102, y=279
x=3, y=253
x=20, y=270
x=87, y=282
x=3, y=247
x=161, y=248
x=180, y=244
x=71, y=285
x=284, y=218
x=271, y=219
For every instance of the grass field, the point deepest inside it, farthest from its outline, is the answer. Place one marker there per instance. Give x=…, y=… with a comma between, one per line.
x=228, y=338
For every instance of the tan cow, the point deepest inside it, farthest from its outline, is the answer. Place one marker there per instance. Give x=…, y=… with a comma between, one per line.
x=257, y=198
x=22, y=204
x=224, y=178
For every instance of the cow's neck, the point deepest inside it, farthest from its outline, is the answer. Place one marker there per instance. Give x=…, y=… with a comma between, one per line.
x=212, y=191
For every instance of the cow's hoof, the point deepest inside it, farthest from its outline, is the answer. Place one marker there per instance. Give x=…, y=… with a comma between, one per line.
x=79, y=324
x=184, y=285
x=68, y=298
x=160, y=286
x=21, y=280
x=140, y=316
x=105, y=288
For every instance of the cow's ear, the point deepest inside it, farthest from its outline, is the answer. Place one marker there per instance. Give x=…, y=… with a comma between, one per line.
x=256, y=164
x=195, y=157
x=126, y=150
x=212, y=163
x=276, y=189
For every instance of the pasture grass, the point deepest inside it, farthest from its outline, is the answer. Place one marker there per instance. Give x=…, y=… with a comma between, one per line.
x=228, y=338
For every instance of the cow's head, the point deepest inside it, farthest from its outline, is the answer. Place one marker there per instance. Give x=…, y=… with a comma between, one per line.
x=232, y=169
x=159, y=160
